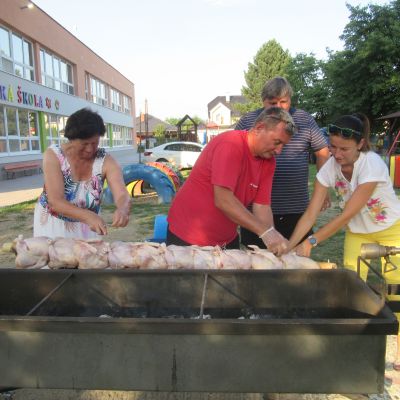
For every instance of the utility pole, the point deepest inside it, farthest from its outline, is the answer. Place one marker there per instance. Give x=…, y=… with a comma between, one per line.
x=146, y=123
x=140, y=136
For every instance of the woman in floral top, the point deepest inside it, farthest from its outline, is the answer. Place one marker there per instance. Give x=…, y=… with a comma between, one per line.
x=74, y=174
x=370, y=207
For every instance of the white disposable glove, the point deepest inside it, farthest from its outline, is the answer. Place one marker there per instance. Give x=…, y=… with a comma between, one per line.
x=274, y=241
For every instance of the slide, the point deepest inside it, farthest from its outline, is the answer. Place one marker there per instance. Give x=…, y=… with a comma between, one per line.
x=161, y=183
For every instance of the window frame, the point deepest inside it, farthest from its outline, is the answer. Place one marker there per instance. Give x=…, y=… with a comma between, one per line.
x=16, y=136
x=127, y=104
x=26, y=66
x=116, y=99
x=55, y=79
x=56, y=121
x=97, y=86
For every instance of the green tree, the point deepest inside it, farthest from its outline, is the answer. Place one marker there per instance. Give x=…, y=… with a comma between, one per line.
x=270, y=60
x=365, y=76
x=159, y=131
x=175, y=120
x=172, y=120
x=306, y=76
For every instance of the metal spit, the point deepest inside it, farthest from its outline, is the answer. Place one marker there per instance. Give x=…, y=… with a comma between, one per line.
x=388, y=288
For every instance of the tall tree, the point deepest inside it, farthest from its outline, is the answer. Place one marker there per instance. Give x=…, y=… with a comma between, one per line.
x=159, y=131
x=270, y=60
x=306, y=76
x=365, y=76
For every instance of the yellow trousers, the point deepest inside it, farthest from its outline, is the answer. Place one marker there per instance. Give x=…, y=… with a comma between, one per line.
x=387, y=237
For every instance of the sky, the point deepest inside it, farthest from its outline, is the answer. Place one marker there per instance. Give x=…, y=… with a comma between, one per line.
x=181, y=54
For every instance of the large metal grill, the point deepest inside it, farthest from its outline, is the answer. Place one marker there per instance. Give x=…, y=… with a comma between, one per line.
x=300, y=331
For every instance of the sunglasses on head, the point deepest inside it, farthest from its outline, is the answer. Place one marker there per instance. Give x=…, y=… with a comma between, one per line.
x=290, y=125
x=344, y=132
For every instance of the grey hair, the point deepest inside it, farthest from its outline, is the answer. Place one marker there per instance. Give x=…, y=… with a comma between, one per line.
x=276, y=87
x=272, y=116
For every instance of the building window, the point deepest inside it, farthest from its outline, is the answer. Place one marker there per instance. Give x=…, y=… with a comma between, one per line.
x=61, y=122
x=87, y=97
x=56, y=73
x=117, y=136
x=18, y=131
x=127, y=136
x=54, y=126
x=98, y=92
x=127, y=105
x=16, y=55
x=105, y=140
x=115, y=100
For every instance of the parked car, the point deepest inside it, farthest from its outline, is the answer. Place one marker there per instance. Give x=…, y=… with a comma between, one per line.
x=180, y=154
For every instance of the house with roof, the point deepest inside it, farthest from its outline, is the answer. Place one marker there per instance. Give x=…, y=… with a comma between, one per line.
x=146, y=128
x=222, y=114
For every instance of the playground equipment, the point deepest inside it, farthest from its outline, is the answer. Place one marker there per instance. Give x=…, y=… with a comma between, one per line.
x=168, y=171
x=160, y=229
x=137, y=188
x=161, y=183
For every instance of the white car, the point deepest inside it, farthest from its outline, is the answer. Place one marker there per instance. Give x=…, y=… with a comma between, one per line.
x=180, y=154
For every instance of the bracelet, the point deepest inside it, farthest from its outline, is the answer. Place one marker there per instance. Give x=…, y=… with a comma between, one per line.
x=268, y=230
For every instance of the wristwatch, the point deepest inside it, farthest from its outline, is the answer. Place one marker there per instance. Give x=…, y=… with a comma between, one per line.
x=313, y=241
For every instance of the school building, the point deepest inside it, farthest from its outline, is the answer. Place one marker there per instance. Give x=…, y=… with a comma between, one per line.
x=46, y=74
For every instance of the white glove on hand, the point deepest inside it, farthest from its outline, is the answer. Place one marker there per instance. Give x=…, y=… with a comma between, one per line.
x=274, y=241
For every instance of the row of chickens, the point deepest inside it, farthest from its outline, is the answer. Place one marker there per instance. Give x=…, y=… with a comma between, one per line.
x=58, y=253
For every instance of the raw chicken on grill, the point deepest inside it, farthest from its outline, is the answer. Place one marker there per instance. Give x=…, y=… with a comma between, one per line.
x=149, y=255
x=120, y=255
x=207, y=257
x=293, y=261
x=92, y=254
x=32, y=252
x=235, y=259
x=62, y=253
x=178, y=257
x=264, y=259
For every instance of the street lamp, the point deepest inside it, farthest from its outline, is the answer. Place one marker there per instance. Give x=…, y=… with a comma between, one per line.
x=29, y=5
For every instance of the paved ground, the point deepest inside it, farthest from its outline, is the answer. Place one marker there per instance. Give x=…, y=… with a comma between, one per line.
x=17, y=190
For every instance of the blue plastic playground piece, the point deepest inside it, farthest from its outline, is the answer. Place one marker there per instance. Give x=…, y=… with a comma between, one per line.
x=160, y=229
x=160, y=182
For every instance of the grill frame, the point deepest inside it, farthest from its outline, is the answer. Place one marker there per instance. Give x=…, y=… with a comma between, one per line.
x=293, y=355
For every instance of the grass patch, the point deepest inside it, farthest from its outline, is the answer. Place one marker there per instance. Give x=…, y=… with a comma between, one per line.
x=18, y=208
x=144, y=210
x=332, y=248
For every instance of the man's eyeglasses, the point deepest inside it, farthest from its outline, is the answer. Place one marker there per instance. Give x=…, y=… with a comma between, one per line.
x=344, y=132
x=289, y=124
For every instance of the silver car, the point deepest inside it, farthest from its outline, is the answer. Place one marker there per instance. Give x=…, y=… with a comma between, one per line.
x=180, y=154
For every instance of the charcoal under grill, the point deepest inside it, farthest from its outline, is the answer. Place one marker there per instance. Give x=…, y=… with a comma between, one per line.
x=314, y=331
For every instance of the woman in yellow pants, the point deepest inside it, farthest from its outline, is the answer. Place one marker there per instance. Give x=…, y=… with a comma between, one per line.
x=370, y=207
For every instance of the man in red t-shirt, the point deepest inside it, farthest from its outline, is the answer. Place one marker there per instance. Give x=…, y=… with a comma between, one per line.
x=234, y=170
